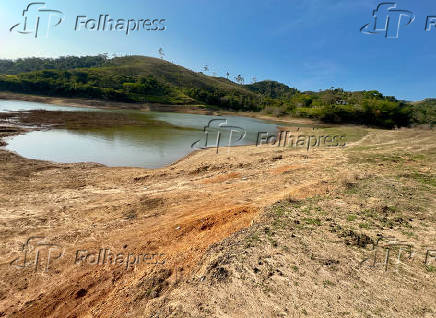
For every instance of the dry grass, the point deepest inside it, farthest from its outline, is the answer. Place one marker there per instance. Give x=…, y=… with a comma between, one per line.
x=314, y=257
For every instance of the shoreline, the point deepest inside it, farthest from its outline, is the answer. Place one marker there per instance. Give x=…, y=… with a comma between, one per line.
x=21, y=128
x=186, y=109
x=101, y=104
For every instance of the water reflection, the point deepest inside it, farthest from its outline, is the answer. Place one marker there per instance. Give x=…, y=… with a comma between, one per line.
x=163, y=139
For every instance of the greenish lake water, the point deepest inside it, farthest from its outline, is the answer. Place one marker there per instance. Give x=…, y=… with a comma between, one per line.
x=164, y=138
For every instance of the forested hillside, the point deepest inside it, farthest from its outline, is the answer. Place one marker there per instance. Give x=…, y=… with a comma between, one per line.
x=139, y=79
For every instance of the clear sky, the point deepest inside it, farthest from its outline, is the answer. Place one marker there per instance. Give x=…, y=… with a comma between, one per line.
x=310, y=44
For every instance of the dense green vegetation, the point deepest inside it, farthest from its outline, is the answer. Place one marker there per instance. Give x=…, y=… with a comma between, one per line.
x=38, y=64
x=425, y=112
x=139, y=79
x=131, y=79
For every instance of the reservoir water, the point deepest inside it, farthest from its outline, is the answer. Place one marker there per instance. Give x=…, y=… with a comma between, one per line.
x=163, y=139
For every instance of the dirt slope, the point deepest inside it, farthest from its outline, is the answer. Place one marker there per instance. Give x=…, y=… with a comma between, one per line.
x=179, y=212
x=326, y=255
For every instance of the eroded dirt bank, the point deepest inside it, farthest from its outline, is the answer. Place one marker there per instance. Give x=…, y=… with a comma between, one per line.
x=178, y=213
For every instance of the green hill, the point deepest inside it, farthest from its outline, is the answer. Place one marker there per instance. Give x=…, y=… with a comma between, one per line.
x=136, y=79
x=140, y=79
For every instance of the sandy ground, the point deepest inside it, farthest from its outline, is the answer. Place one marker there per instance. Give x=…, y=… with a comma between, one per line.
x=178, y=216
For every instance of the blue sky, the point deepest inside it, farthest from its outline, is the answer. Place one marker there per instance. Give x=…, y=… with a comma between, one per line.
x=310, y=44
